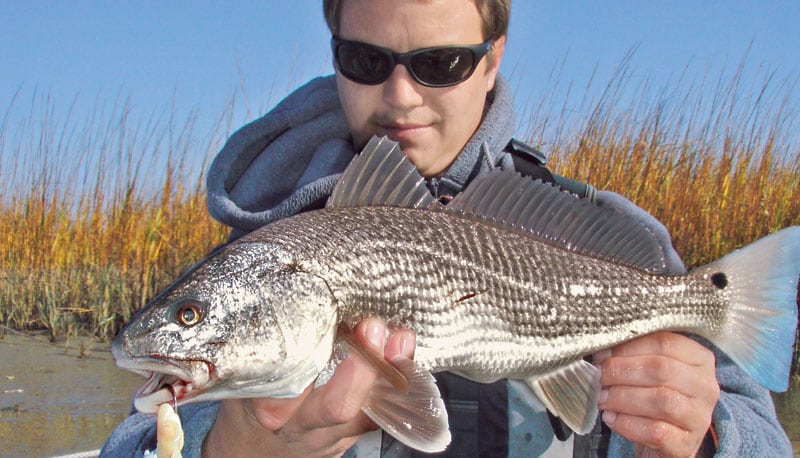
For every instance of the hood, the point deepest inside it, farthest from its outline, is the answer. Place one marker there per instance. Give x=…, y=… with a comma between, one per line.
x=289, y=160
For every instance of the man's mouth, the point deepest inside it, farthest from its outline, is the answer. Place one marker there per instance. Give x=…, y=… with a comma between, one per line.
x=401, y=131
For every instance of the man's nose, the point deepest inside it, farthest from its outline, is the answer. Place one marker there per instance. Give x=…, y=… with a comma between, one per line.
x=401, y=90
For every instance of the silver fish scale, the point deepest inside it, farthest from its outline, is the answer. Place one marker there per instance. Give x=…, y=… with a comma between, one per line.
x=485, y=301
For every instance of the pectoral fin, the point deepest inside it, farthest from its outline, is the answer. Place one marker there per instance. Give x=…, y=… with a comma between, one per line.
x=570, y=393
x=394, y=376
x=404, y=401
x=417, y=417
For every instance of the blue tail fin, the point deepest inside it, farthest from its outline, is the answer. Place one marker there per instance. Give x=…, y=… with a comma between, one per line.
x=761, y=283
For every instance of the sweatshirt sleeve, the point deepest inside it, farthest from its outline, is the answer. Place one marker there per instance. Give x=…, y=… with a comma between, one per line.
x=745, y=418
x=137, y=433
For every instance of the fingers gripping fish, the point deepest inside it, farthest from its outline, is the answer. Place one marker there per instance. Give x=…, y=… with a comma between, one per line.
x=512, y=279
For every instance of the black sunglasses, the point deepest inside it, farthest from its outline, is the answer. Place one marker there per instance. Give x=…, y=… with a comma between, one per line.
x=440, y=66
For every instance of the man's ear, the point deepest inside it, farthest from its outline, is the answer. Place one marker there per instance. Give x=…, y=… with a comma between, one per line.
x=496, y=56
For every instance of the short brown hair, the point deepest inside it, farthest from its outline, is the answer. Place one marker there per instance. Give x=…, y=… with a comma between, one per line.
x=494, y=14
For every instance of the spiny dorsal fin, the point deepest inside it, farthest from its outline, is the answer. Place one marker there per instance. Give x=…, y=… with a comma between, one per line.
x=381, y=176
x=560, y=219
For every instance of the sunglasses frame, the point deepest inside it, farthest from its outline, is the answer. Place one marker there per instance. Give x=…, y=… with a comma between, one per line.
x=478, y=52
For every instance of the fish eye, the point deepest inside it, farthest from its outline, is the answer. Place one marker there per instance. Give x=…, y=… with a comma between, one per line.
x=189, y=314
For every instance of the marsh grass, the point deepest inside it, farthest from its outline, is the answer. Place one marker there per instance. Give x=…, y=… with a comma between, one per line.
x=716, y=162
x=100, y=214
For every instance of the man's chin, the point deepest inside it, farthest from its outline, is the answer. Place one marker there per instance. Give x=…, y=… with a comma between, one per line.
x=427, y=164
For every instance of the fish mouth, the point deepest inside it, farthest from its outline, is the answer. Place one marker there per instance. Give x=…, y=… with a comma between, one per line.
x=168, y=381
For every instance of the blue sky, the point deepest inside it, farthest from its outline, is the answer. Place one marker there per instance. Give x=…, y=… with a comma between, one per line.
x=197, y=53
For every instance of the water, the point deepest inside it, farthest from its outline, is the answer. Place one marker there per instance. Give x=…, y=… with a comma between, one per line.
x=53, y=401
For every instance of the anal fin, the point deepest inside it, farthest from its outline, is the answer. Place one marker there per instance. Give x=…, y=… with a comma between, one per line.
x=571, y=393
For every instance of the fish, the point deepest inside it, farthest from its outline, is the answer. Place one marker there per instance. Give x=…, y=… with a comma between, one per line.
x=512, y=279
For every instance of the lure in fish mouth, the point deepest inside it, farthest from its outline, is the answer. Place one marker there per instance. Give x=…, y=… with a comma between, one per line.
x=167, y=382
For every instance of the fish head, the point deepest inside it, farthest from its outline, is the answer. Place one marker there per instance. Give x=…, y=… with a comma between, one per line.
x=248, y=321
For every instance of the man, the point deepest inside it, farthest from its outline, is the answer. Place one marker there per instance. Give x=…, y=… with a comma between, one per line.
x=451, y=113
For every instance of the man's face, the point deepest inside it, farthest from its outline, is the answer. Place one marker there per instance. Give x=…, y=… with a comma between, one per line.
x=432, y=125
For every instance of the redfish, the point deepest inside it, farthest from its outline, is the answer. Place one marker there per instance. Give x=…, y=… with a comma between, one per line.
x=513, y=278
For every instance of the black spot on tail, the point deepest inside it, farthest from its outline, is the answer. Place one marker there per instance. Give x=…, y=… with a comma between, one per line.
x=720, y=280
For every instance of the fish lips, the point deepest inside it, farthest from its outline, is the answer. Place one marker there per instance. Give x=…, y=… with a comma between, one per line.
x=168, y=380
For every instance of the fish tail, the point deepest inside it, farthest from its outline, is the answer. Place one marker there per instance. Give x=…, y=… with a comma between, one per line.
x=760, y=282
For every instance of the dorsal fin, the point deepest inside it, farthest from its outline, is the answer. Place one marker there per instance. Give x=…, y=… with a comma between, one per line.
x=381, y=176
x=561, y=219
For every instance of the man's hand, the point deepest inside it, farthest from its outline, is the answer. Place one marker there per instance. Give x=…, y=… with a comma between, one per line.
x=659, y=391
x=321, y=422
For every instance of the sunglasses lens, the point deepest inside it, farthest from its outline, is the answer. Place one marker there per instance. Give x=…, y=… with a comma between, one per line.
x=443, y=67
x=362, y=63
x=436, y=67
